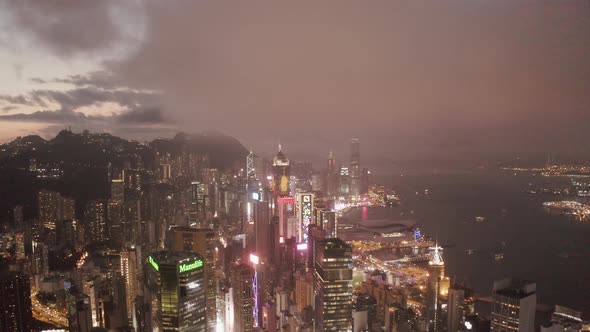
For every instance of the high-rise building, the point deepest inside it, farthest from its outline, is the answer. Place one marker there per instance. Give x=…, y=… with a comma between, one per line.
x=243, y=298
x=513, y=306
x=344, y=180
x=564, y=320
x=201, y=241
x=95, y=216
x=20, y=246
x=304, y=211
x=129, y=273
x=117, y=190
x=455, y=309
x=333, y=285
x=331, y=177
x=54, y=207
x=355, y=170
x=174, y=289
x=281, y=174
x=436, y=271
x=15, y=302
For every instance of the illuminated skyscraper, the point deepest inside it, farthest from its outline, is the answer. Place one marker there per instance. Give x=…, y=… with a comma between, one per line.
x=201, y=241
x=304, y=210
x=15, y=302
x=174, y=289
x=333, y=285
x=355, y=170
x=281, y=173
x=129, y=272
x=243, y=297
x=436, y=272
x=513, y=306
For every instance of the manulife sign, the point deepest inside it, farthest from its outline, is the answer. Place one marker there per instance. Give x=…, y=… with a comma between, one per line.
x=190, y=266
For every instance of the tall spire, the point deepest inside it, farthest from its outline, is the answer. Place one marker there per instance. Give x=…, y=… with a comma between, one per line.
x=331, y=154
x=280, y=147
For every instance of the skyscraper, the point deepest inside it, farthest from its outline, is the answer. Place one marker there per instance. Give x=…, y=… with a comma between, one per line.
x=243, y=297
x=355, y=170
x=455, y=308
x=513, y=306
x=129, y=272
x=436, y=270
x=281, y=173
x=333, y=285
x=200, y=241
x=174, y=288
x=117, y=190
x=95, y=216
x=15, y=302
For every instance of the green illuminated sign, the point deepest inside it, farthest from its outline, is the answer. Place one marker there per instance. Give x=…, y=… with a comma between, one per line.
x=153, y=263
x=190, y=266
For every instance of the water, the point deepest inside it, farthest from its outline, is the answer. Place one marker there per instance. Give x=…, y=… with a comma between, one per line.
x=534, y=243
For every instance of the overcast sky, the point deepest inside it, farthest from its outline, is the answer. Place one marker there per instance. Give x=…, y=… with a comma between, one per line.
x=411, y=79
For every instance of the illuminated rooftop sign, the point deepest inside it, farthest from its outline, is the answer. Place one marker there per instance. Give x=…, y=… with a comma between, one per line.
x=190, y=266
x=153, y=263
x=254, y=259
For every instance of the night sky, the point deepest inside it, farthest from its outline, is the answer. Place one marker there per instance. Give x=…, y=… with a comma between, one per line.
x=414, y=80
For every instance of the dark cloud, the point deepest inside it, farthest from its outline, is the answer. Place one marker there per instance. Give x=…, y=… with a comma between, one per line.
x=139, y=116
x=66, y=26
x=97, y=79
x=60, y=116
x=150, y=116
x=454, y=78
x=84, y=96
x=38, y=80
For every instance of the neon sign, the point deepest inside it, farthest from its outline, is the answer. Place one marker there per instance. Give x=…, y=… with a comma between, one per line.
x=153, y=263
x=190, y=266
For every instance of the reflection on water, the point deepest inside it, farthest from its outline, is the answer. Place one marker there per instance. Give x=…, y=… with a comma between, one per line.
x=515, y=237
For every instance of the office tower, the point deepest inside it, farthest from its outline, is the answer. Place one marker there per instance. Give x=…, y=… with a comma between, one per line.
x=564, y=319
x=115, y=216
x=286, y=210
x=304, y=212
x=333, y=285
x=243, y=298
x=513, y=306
x=281, y=174
x=20, y=246
x=18, y=217
x=331, y=177
x=365, y=180
x=129, y=272
x=455, y=309
x=436, y=270
x=263, y=230
x=54, y=207
x=117, y=190
x=95, y=216
x=344, y=180
x=326, y=220
x=15, y=302
x=65, y=232
x=355, y=171
x=201, y=241
x=174, y=288
x=200, y=203
x=79, y=312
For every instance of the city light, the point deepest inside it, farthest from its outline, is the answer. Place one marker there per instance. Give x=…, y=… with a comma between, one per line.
x=254, y=259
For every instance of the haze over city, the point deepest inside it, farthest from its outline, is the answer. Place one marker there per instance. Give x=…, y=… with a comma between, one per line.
x=446, y=80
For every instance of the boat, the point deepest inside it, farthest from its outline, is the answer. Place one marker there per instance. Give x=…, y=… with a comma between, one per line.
x=480, y=219
x=498, y=256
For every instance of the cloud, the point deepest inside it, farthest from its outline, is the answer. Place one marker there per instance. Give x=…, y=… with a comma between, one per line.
x=66, y=27
x=150, y=116
x=409, y=78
